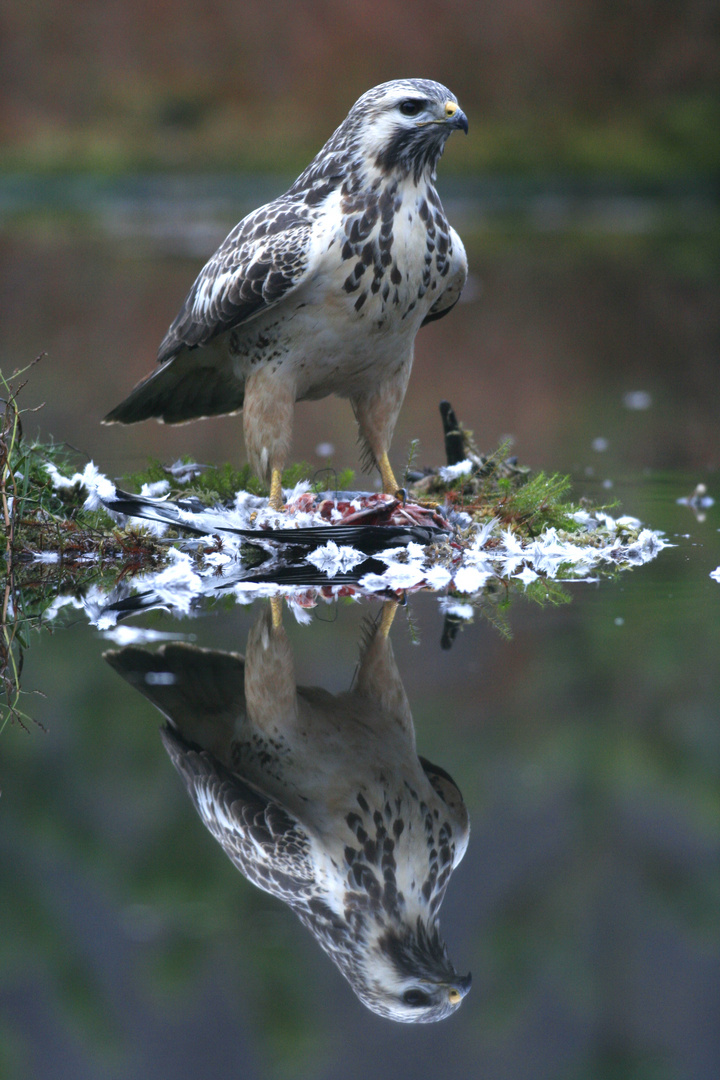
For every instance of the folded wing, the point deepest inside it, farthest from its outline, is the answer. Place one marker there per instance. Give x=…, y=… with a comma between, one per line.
x=262, y=261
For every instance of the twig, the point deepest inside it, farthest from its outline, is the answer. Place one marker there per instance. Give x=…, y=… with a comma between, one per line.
x=454, y=440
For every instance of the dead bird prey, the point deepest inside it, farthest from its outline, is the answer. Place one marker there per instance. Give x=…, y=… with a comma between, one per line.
x=321, y=800
x=323, y=290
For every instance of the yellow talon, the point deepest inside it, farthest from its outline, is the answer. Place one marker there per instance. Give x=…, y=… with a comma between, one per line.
x=389, y=483
x=276, y=493
x=276, y=611
x=386, y=619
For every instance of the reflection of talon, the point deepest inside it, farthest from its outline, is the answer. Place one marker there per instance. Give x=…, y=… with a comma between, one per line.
x=389, y=609
x=276, y=609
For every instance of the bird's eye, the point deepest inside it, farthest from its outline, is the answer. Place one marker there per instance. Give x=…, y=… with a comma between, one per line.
x=411, y=107
x=416, y=997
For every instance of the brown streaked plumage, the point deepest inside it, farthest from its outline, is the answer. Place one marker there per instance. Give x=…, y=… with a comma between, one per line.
x=323, y=290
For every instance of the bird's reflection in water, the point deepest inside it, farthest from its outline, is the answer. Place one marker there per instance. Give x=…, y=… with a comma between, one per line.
x=321, y=800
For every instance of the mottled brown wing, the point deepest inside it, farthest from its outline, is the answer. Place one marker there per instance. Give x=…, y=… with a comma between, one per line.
x=262, y=260
x=260, y=836
x=451, y=795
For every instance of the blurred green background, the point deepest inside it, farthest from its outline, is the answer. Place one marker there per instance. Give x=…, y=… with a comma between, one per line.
x=583, y=86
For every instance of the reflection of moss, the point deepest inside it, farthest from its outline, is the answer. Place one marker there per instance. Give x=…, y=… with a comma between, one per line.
x=79, y=990
x=493, y=605
x=546, y=591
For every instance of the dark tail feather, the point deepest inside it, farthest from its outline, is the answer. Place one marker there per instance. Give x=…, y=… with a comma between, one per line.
x=183, y=389
x=187, y=684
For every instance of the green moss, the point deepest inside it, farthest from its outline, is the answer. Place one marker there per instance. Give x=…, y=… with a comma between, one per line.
x=346, y=479
x=499, y=488
x=151, y=474
x=218, y=484
x=536, y=504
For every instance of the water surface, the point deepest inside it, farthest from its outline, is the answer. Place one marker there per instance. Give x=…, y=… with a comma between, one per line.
x=583, y=736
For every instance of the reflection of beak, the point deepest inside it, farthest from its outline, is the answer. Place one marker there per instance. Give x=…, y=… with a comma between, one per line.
x=461, y=985
x=455, y=116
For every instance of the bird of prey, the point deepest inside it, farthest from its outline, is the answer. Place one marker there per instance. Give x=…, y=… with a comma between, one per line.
x=323, y=290
x=322, y=801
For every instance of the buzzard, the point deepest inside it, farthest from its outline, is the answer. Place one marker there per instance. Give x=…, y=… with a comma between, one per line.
x=323, y=290
x=322, y=801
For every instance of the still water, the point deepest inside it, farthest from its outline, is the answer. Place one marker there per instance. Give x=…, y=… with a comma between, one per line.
x=582, y=736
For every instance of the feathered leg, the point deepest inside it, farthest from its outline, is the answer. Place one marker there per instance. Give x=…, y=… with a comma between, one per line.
x=267, y=424
x=376, y=414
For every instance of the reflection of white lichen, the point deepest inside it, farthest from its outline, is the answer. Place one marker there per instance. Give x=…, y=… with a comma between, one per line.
x=437, y=577
x=486, y=554
x=454, y=607
x=333, y=560
x=302, y=613
x=462, y=562
x=140, y=635
x=46, y=557
x=470, y=579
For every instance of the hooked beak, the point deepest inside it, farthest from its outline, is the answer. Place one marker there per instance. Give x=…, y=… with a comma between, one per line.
x=455, y=117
